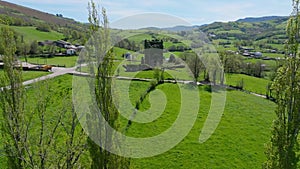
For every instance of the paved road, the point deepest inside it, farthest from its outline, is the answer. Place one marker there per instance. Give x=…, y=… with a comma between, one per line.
x=59, y=71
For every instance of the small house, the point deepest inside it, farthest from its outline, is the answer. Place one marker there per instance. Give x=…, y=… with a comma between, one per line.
x=61, y=43
x=257, y=54
x=71, y=52
x=46, y=42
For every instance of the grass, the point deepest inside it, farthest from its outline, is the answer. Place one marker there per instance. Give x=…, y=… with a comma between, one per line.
x=169, y=44
x=271, y=64
x=68, y=61
x=118, y=52
x=238, y=142
x=273, y=55
x=139, y=38
x=178, y=74
x=253, y=84
x=28, y=75
x=230, y=32
x=30, y=34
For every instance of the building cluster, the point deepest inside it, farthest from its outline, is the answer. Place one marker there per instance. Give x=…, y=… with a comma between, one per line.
x=249, y=52
x=70, y=48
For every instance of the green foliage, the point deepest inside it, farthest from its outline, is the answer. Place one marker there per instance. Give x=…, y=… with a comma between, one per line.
x=34, y=48
x=232, y=63
x=99, y=51
x=43, y=28
x=158, y=75
x=194, y=63
x=30, y=132
x=283, y=148
x=12, y=103
x=268, y=29
x=240, y=84
x=13, y=21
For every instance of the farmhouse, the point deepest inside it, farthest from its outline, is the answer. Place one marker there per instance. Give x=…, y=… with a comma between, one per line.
x=46, y=42
x=61, y=43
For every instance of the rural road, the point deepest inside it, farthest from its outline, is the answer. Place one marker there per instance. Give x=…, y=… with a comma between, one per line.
x=59, y=71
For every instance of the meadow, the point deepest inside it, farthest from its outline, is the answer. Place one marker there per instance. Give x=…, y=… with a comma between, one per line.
x=30, y=34
x=66, y=61
x=27, y=75
x=252, y=84
x=238, y=141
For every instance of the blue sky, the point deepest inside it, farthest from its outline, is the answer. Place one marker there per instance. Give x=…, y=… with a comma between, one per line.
x=195, y=12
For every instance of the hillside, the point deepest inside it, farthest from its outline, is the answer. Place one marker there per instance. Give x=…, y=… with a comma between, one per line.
x=268, y=28
x=22, y=19
x=32, y=15
x=243, y=128
x=261, y=19
x=249, y=29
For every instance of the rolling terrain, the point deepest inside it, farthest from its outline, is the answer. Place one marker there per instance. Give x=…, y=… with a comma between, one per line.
x=245, y=127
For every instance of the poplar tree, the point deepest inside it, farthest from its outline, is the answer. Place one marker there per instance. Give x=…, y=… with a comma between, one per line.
x=282, y=150
x=12, y=102
x=99, y=52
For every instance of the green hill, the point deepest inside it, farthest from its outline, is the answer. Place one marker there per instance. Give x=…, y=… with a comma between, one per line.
x=30, y=34
x=272, y=29
x=56, y=25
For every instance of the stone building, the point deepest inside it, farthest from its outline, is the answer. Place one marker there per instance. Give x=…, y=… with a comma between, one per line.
x=154, y=53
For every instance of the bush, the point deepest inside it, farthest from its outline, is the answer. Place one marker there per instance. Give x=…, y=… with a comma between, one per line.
x=43, y=28
x=240, y=84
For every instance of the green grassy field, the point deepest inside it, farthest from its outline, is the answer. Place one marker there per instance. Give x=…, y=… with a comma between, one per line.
x=68, y=61
x=30, y=34
x=238, y=142
x=273, y=55
x=27, y=75
x=253, y=84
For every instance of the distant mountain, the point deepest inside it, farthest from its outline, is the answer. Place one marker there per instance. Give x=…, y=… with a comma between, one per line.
x=262, y=19
x=206, y=27
x=173, y=29
x=180, y=28
x=150, y=28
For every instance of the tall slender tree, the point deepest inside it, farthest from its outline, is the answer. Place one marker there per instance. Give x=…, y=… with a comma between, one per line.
x=281, y=152
x=101, y=54
x=12, y=102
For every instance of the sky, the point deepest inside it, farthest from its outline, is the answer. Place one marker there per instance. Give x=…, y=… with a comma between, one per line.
x=167, y=13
